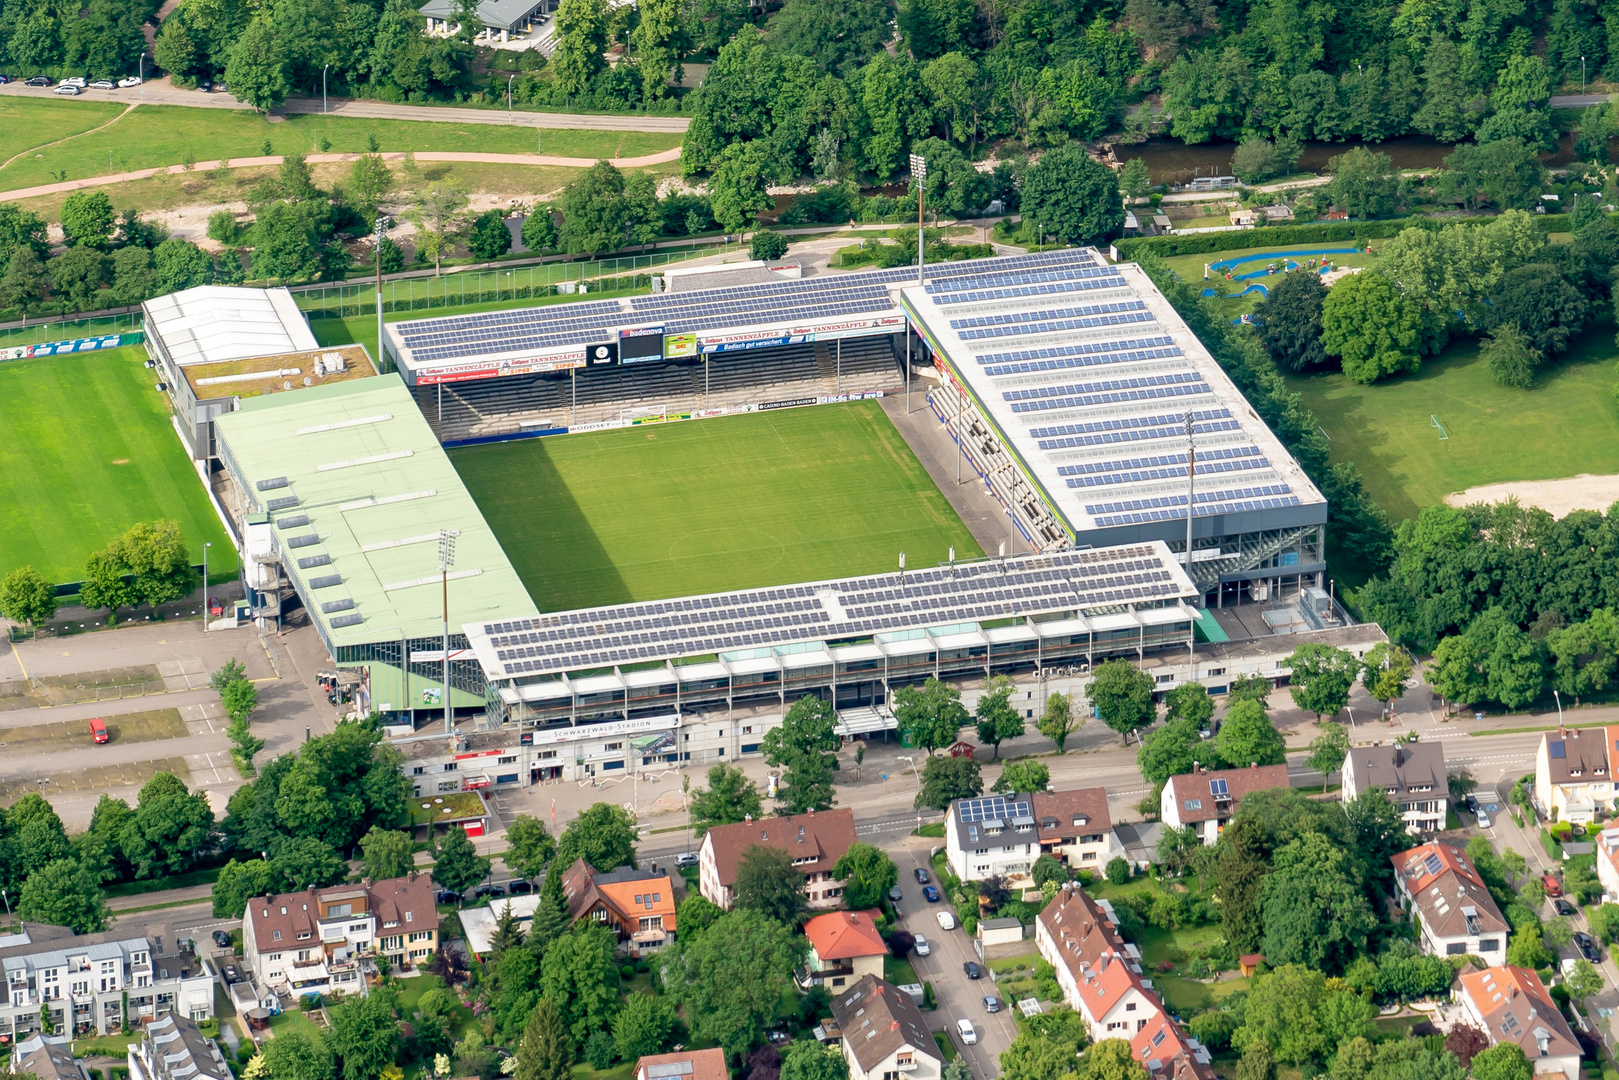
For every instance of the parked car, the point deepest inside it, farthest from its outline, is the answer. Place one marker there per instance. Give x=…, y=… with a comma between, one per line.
x=67, y=90
x=775, y=1036
x=447, y=896
x=222, y=939
x=38, y=80
x=931, y=893
x=1553, y=887
x=968, y=1033
x=231, y=974
x=1587, y=946
x=973, y=970
x=130, y=80
x=1562, y=907
x=920, y=946
x=896, y=894
x=992, y=1004
x=205, y=85
x=488, y=890
x=685, y=859
x=1484, y=821
x=922, y=877
x=102, y=84
x=947, y=920
x=519, y=887
x=4, y=79
x=75, y=80
x=98, y=730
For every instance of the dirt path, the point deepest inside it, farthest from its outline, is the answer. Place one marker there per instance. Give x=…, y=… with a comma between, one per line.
x=1557, y=497
x=322, y=159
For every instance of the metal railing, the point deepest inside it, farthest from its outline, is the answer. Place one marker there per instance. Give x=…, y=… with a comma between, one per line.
x=67, y=329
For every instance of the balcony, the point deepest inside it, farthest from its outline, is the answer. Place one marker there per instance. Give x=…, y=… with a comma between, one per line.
x=906, y=1066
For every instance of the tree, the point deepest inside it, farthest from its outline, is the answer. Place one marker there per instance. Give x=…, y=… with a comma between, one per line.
x=365, y=1035
x=1256, y=1063
x=1504, y=172
x=1024, y=776
x=1058, y=721
x=1255, y=688
x=1321, y=678
x=132, y=277
x=1542, y=302
x=304, y=862
x=239, y=882
x=1466, y=1042
x=23, y=284
x=869, y=874
x=1328, y=750
x=1172, y=750
x=1510, y=358
x=286, y=246
x=1110, y=1059
x=457, y=866
x=1073, y=197
x=580, y=973
x=1293, y=1013
x=997, y=718
x=169, y=830
x=529, y=846
x=730, y=979
x=834, y=34
x=551, y=917
x=390, y=853
x=239, y=699
x=78, y=275
x=179, y=264
x=769, y=883
x=1584, y=981
x=1134, y=180
x=1314, y=910
x=805, y=746
x=338, y=786
x=299, y=1054
x=729, y=798
x=490, y=238
x=100, y=847
x=64, y=893
x=736, y=189
x=767, y=245
x=1365, y=183
x=1385, y=673
x=1456, y=671
x=946, y=779
x=1367, y=322
x=1503, y=1061
x=1248, y=737
x=257, y=69
x=930, y=717
x=581, y=36
x=88, y=218
x=546, y=1052
x=643, y=1026
x=1604, y=920
x=603, y=835
x=539, y=230
x=370, y=181
x=437, y=216
x=806, y=1059
x=26, y=597
x=1122, y=696
x=1291, y=331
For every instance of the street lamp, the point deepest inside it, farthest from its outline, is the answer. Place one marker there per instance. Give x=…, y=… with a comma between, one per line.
x=1559, y=699
x=510, y=119
x=205, y=611
x=1582, y=74
x=140, y=72
x=1351, y=718
x=323, y=69
x=914, y=769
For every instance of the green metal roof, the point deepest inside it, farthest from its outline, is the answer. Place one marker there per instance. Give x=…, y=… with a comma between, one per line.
x=376, y=486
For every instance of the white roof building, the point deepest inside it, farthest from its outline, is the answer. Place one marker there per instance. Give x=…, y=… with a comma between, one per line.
x=214, y=323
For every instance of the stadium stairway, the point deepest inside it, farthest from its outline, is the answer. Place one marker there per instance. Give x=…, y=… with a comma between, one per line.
x=984, y=451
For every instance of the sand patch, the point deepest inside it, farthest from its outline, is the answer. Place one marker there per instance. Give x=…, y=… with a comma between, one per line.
x=1556, y=497
x=123, y=460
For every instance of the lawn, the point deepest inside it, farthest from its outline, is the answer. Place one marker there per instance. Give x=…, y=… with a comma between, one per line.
x=733, y=502
x=1567, y=424
x=30, y=122
x=899, y=972
x=1186, y=996
x=154, y=135
x=89, y=450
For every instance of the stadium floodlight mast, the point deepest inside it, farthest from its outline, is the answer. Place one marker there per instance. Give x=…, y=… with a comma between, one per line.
x=382, y=234
x=446, y=559
x=1191, y=485
x=919, y=170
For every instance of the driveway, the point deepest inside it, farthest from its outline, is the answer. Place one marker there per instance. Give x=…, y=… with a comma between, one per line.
x=958, y=996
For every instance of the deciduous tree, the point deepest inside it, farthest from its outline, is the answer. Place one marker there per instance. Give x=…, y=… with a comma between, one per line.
x=1122, y=696
x=26, y=597
x=731, y=979
x=65, y=893
x=729, y=798
x=769, y=883
x=1328, y=750
x=1059, y=720
x=1024, y=776
x=1367, y=322
x=805, y=748
x=869, y=874
x=456, y=863
x=997, y=719
x=603, y=835
x=932, y=716
x=1073, y=197
x=390, y=853
x=1322, y=677
x=946, y=779
x=1386, y=672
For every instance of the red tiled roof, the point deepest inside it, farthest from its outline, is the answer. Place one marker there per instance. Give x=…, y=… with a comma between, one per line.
x=690, y=1065
x=844, y=935
x=816, y=841
x=1059, y=814
x=1516, y=1008
x=1168, y=1053
x=1193, y=793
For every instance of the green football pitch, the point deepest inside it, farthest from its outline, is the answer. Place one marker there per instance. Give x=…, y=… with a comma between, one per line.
x=87, y=450
x=710, y=505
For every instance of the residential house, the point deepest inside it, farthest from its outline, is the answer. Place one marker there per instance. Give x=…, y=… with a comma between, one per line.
x=174, y=1049
x=991, y=836
x=1100, y=974
x=1574, y=773
x=1168, y=1053
x=884, y=1035
x=479, y=924
x=844, y=947
x=1607, y=852
x=1412, y=775
x=1206, y=800
x=82, y=979
x=638, y=905
x=816, y=841
x=324, y=941
x=690, y=1065
x=1445, y=893
x=1075, y=828
x=1510, y=1005
x=48, y=1057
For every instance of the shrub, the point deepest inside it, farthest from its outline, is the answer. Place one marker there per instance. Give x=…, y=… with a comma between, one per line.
x=768, y=245
x=222, y=227
x=1118, y=870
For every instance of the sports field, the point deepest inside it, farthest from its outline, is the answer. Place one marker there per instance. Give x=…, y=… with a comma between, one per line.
x=710, y=505
x=1567, y=424
x=87, y=450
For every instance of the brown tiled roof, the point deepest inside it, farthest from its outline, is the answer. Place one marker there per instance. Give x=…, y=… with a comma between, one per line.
x=1400, y=769
x=690, y=1065
x=1194, y=793
x=878, y=1018
x=1447, y=891
x=1168, y=1053
x=1575, y=750
x=1516, y=1008
x=1059, y=815
x=821, y=838
x=583, y=887
x=401, y=905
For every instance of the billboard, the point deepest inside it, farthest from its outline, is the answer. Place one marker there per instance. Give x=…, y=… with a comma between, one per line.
x=678, y=345
x=494, y=369
x=640, y=344
x=602, y=354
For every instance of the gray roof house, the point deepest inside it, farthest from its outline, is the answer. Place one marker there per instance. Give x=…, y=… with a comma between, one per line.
x=174, y=1048
x=503, y=18
x=49, y=1057
x=1411, y=774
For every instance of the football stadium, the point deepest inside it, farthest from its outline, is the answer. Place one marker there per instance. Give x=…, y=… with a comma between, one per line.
x=648, y=523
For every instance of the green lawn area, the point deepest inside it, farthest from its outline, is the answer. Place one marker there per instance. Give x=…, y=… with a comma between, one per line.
x=733, y=502
x=1567, y=424
x=1190, y=269
x=899, y=972
x=947, y=1049
x=88, y=451
x=1186, y=996
x=1158, y=944
x=30, y=122
x=155, y=135
x=622, y=1071
x=110, y=1045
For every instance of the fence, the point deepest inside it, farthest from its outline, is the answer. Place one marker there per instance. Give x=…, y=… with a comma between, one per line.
x=339, y=301
x=65, y=329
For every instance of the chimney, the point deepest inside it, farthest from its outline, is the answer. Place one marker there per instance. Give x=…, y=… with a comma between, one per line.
x=1254, y=765
x=812, y=811
x=747, y=817
x=1195, y=768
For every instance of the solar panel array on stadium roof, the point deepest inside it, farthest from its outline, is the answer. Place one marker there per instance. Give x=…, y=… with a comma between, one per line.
x=1018, y=318
x=1051, y=326
x=1130, y=429
x=1128, y=356
x=852, y=608
x=1202, y=511
x=1173, y=472
x=1180, y=500
x=1222, y=453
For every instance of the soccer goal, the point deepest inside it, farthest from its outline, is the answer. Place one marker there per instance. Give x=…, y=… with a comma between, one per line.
x=1443, y=434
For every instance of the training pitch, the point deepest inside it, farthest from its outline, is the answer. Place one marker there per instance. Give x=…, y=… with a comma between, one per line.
x=87, y=450
x=711, y=505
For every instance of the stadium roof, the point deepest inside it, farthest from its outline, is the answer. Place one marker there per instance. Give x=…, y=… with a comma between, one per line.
x=215, y=323
x=937, y=603
x=275, y=374
x=1087, y=373
x=558, y=336
x=358, y=488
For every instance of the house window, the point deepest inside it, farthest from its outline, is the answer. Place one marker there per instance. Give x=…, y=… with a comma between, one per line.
x=449, y=785
x=904, y=1057
x=1166, y=679
x=509, y=759
x=610, y=747
x=1215, y=671
x=1489, y=945
x=838, y=981
x=892, y=1074
x=1456, y=948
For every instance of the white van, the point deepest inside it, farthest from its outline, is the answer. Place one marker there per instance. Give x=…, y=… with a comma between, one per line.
x=969, y=1034
x=947, y=920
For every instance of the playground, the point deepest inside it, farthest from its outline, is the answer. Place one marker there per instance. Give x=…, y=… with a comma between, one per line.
x=1241, y=275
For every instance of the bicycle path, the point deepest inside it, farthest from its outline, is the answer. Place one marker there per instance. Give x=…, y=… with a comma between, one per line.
x=466, y=157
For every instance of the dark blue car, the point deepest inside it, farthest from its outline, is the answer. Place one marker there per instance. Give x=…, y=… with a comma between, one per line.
x=931, y=893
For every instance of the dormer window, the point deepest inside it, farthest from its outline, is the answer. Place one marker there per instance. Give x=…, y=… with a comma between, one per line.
x=1081, y=819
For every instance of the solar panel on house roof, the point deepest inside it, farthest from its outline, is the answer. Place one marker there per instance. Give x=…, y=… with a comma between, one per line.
x=1432, y=863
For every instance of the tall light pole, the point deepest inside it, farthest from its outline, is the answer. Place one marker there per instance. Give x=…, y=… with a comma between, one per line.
x=919, y=170
x=446, y=559
x=1559, y=699
x=140, y=72
x=1582, y=74
x=205, y=612
x=918, y=773
x=509, y=117
x=1191, y=509
x=323, y=69
x=381, y=234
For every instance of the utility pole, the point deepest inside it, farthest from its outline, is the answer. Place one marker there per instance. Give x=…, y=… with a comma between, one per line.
x=323, y=69
x=919, y=171
x=446, y=559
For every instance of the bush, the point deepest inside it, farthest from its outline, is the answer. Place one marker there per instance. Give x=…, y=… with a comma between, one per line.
x=222, y=227
x=600, y=1050
x=768, y=245
x=393, y=258
x=1118, y=870
x=626, y=972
